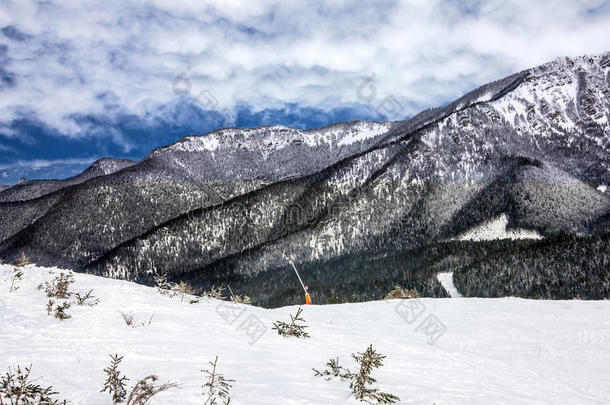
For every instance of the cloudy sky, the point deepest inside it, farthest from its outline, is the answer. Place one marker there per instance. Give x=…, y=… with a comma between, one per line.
x=84, y=79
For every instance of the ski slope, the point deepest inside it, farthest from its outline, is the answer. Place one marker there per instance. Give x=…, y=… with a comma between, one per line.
x=446, y=280
x=481, y=351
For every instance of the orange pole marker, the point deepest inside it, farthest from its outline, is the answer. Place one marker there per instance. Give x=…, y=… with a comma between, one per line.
x=305, y=288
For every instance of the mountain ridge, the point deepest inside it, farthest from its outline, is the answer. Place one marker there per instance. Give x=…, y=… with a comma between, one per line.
x=216, y=209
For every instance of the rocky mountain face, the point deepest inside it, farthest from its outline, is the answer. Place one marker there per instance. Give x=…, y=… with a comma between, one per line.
x=354, y=205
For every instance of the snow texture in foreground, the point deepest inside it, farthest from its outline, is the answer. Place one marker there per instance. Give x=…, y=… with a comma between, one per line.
x=494, y=351
x=496, y=229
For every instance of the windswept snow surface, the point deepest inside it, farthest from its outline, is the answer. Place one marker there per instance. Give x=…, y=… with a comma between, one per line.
x=492, y=351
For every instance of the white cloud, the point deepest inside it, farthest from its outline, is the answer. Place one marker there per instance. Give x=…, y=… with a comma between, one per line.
x=267, y=53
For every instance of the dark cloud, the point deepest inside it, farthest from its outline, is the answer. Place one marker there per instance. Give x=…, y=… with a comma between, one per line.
x=12, y=32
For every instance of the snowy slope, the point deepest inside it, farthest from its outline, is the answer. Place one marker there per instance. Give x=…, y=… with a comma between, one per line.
x=500, y=351
x=497, y=229
x=446, y=280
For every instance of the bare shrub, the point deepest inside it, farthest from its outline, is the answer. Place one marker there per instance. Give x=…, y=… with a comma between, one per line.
x=292, y=328
x=128, y=318
x=22, y=261
x=87, y=299
x=115, y=382
x=131, y=321
x=362, y=381
x=217, y=387
x=239, y=299
x=17, y=388
x=59, y=287
x=149, y=320
x=401, y=293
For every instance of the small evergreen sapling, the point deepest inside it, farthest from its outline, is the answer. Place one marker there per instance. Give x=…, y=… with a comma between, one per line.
x=217, y=387
x=17, y=274
x=23, y=261
x=87, y=299
x=292, y=328
x=115, y=382
x=59, y=287
x=141, y=393
x=17, y=388
x=50, y=305
x=241, y=299
x=164, y=287
x=215, y=292
x=360, y=382
x=182, y=288
x=333, y=369
x=60, y=311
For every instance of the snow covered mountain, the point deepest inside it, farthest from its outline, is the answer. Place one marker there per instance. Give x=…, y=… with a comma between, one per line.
x=349, y=203
x=484, y=351
x=31, y=189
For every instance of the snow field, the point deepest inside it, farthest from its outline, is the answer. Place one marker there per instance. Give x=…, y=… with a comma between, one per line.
x=500, y=351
